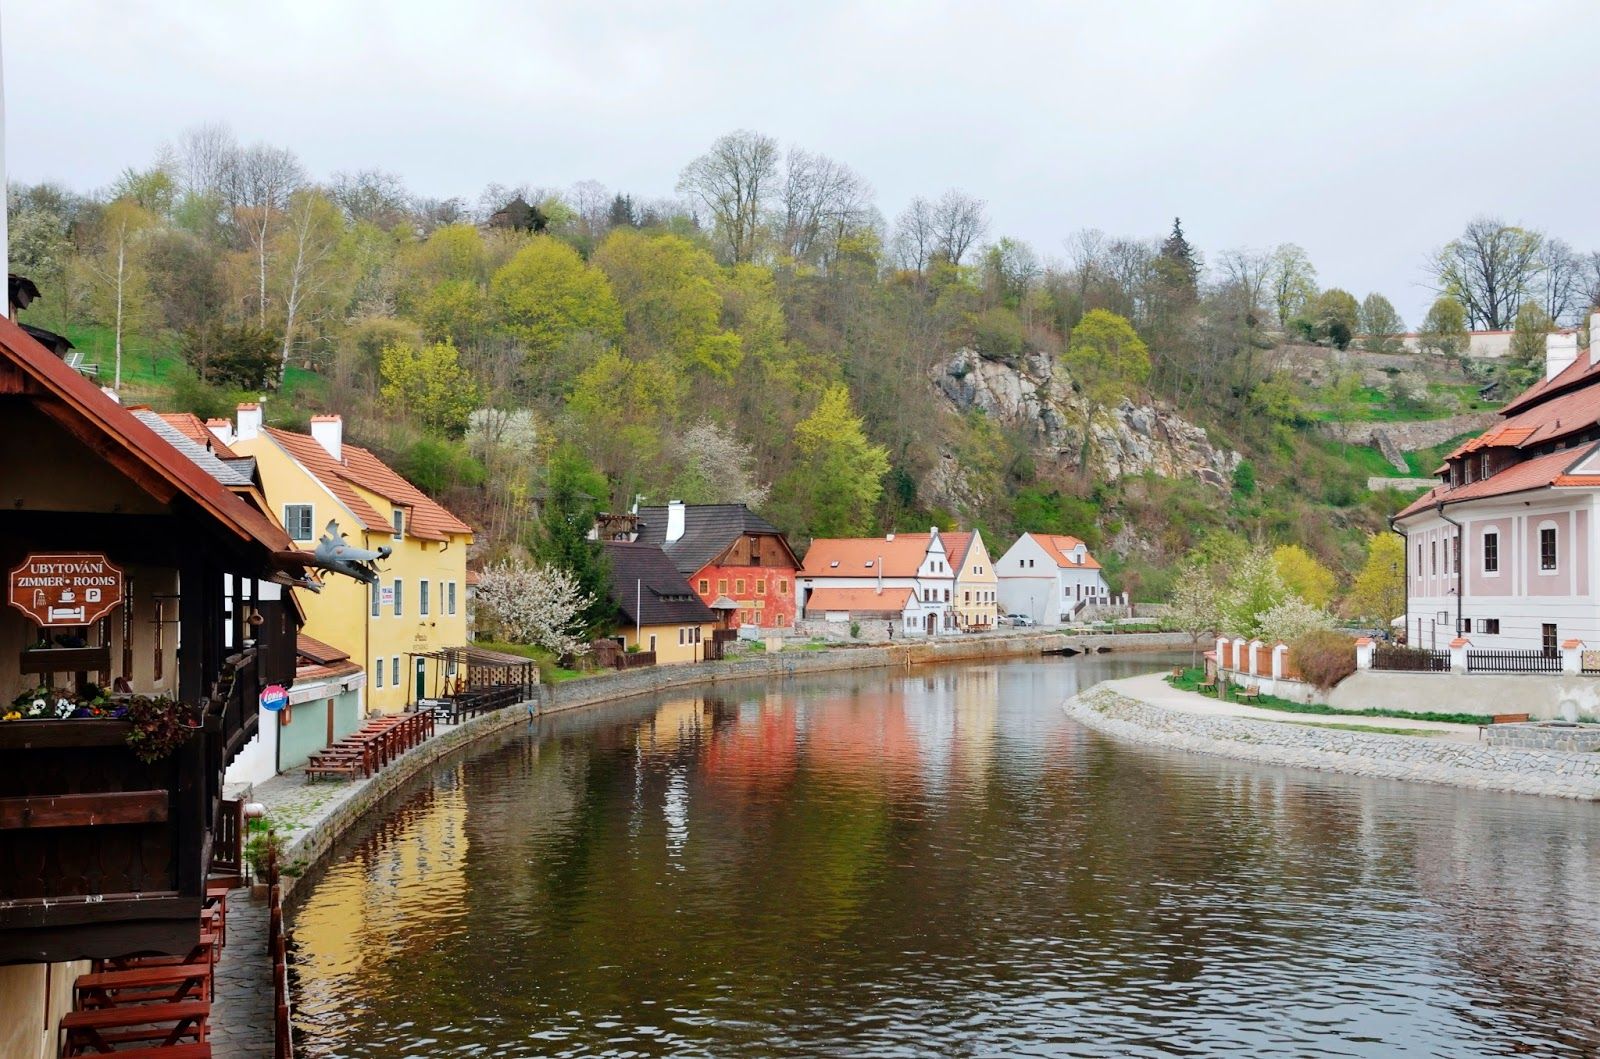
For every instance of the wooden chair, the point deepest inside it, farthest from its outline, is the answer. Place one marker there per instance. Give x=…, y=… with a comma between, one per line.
x=101, y=1029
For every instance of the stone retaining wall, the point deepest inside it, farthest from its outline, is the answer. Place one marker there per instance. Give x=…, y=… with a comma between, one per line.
x=1476, y=765
x=1580, y=740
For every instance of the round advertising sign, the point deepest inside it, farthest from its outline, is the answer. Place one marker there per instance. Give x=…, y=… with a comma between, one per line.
x=274, y=697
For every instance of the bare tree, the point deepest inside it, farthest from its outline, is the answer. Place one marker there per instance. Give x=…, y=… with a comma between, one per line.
x=591, y=202
x=372, y=196
x=1491, y=269
x=204, y=158
x=1249, y=273
x=914, y=240
x=733, y=181
x=821, y=201
x=959, y=221
x=310, y=236
x=261, y=184
x=1561, y=285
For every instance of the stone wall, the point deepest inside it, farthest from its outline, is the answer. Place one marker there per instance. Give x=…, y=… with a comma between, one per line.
x=1477, y=765
x=1411, y=436
x=1579, y=739
x=1543, y=696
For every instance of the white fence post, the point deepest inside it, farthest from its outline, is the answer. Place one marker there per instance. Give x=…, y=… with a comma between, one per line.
x=1280, y=661
x=1255, y=657
x=1364, y=652
x=1458, y=654
x=1572, y=658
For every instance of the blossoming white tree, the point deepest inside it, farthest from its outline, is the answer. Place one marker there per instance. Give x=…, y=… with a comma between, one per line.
x=526, y=603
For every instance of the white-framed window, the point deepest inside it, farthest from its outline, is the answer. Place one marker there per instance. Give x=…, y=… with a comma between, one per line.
x=399, y=524
x=399, y=597
x=682, y=636
x=423, y=603
x=379, y=673
x=1491, y=553
x=394, y=670
x=450, y=598
x=1549, y=559
x=297, y=519
x=377, y=598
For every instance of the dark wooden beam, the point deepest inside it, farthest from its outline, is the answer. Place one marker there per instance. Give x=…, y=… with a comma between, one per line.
x=84, y=810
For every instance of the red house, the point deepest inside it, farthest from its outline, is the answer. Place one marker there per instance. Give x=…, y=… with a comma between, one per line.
x=736, y=561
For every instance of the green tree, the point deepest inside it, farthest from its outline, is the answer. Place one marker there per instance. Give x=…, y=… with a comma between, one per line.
x=1490, y=270
x=671, y=298
x=545, y=296
x=1379, y=592
x=1108, y=361
x=574, y=494
x=838, y=475
x=429, y=383
x=1524, y=363
x=1304, y=575
x=1178, y=265
x=122, y=289
x=1337, y=316
x=1380, y=325
x=1253, y=588
x=1444, y=329
x=1293, y=282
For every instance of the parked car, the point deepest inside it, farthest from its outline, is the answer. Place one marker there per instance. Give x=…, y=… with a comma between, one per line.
x=1019, y=620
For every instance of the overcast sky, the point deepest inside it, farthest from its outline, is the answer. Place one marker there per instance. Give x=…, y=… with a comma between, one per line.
x=1367, y=133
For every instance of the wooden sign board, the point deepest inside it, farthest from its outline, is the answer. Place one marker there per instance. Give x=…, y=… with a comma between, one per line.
x=66, y=589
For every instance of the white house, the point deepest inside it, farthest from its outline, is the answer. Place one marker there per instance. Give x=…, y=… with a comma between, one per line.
x=1050, y=578
x=1500, y=552
x=904, y=574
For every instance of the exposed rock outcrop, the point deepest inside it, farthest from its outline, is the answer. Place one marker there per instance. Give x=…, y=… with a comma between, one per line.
x=1037, y=396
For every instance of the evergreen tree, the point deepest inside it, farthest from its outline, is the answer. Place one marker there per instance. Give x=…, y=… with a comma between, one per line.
x=574, y=495
x=1179, y=265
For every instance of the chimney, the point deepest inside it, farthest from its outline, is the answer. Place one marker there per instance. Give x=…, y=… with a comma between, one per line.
x=249, y=419
x=674, y=521
x=1560, y=350
x=328, y=431
x=221, y=429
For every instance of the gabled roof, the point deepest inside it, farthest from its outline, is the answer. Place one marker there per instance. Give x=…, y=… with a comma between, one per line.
x=1541, y=472
x=80, y=406
x=1060, y=547
x=648, y=589
x=1581, y=371
x=956, y=547
x=191, y=427
x=207, y=461
x=900, y=556
x=859, y=600
x=318, y=652
x=426, y=518
x=708, y=531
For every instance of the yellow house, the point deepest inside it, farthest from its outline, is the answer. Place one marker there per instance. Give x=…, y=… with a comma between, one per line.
x=977, y=589
x=419, y=605
x=657, y=610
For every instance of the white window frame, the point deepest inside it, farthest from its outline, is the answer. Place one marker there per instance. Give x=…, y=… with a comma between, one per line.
x=394, y=670
x=376, y=608
x=424, y=604
x=450, y=598
x=1491, y=531
x=399, y=604
x=398, y=518
x=379, y=673
x=1555, y=569
x=311, y=521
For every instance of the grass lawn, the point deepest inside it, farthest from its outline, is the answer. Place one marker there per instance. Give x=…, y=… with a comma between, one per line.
x=1421, y=733
x=549, y=671
x=1191, y=678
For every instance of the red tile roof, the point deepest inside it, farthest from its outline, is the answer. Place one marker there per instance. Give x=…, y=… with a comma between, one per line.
x=1059, y=547
x=956, y=546
x=83, y=403
x=317, y=651
x=858, y=600
x=425, y=519
x=1581, y=370
x=850, y=556
x=1541, y=472
x=190, y=426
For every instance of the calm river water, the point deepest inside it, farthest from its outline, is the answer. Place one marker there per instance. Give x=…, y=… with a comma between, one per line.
x=939, y=863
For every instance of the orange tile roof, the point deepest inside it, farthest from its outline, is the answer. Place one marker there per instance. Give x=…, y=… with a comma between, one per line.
x=849, y=556
x=1581, y=369
x=317, y=651
x=1059, y=547
x=1541, y=472
x=858, y=600
x=956, y=546
x=426, y=519
x=190, y=426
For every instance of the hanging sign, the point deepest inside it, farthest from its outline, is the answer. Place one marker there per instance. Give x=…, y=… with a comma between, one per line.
x=274, y=697
x=66, y=588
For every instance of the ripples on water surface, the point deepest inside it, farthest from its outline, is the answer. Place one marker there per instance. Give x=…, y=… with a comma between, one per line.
x=939, y=863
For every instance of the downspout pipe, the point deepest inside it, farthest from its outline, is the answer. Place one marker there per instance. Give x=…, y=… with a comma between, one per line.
x=1438, y=509
x=1405, y=564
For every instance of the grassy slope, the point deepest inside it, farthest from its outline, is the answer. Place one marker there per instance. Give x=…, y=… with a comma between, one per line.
x=150, y=367
x=1191, y=678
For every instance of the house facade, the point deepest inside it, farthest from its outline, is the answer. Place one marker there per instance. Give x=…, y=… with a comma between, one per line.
x=1050, y=578
x=1501, y=551
x=392, y=629
x=736, y=561
x=977, y=591
x=866, y=577
x=657, y=610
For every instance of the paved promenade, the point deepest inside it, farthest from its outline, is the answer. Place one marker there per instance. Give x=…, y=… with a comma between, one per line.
x=241, y=1011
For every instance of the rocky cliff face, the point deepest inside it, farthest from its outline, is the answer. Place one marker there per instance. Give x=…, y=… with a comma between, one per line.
x=1037, y=397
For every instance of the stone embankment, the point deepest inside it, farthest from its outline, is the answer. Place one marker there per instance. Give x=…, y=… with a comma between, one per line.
x=1396, y=439
x=1106, y=708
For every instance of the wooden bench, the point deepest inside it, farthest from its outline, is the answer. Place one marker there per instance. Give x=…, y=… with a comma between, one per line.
x=98, y=1029
x=1504, y=718
x=1249, y=694
x=1208, y=684
x=141, y=985
x=191, y=1050
x=204, y=953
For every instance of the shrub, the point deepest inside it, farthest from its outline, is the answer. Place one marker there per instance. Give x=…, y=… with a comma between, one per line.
x=855, y=630
x=1324, y=657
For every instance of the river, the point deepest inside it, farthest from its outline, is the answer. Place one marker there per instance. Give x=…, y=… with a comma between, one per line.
x=938, y=862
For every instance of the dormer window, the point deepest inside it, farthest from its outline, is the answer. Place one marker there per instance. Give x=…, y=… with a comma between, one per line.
x=399, y=524
x=1483, y=465
x=869, y=564
x=834, y=565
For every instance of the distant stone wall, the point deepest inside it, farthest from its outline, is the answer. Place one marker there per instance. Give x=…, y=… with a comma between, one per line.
x=1477, y=765
x=1376, y=484
x=1410, y=436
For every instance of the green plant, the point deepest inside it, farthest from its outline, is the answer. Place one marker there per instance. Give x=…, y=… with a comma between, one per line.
x=855, y=630
x=159, y=726
x=261, y=846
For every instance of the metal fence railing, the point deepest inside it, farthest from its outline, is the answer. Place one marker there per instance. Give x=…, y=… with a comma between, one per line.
x=1410, y=659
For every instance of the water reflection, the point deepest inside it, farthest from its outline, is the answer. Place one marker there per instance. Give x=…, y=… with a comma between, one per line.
x=939, y=862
